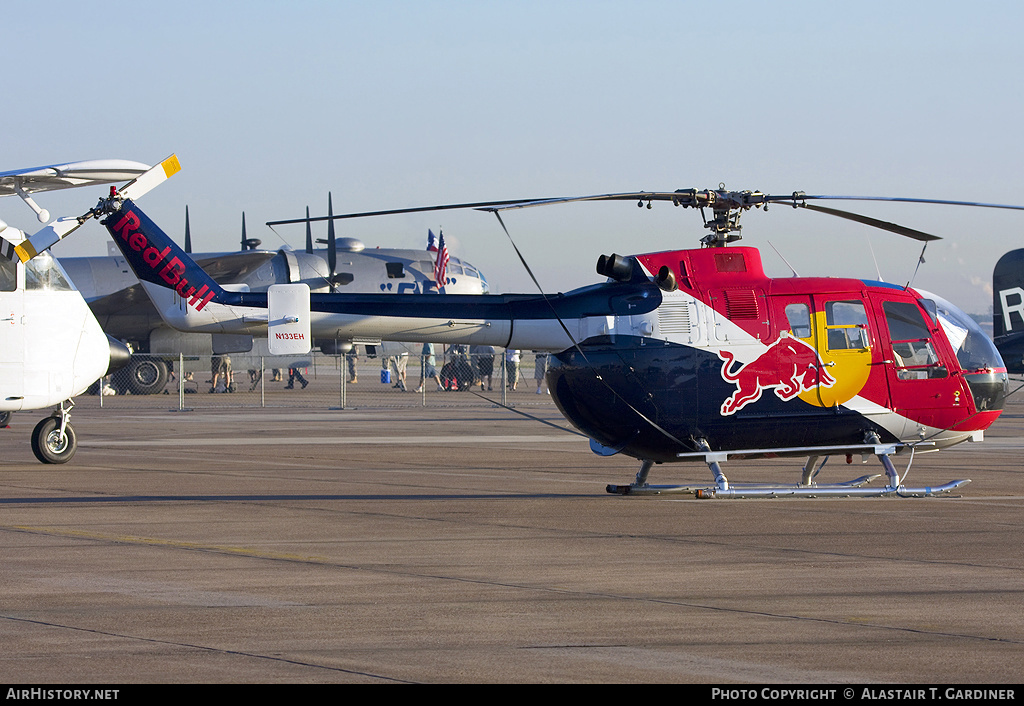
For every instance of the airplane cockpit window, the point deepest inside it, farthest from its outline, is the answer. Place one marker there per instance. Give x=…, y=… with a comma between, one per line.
x=43, y=272
x=846, y=325
x=911, y=342
x=8, y=275
x=799, y=317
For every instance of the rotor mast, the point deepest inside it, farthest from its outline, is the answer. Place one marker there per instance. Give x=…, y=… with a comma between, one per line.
x=726, y=208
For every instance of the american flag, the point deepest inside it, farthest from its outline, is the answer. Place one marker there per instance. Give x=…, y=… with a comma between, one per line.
x=431, y=241
x=442, y=261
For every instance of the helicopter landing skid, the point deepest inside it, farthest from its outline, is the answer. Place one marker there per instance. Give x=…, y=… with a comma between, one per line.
x=807, y=488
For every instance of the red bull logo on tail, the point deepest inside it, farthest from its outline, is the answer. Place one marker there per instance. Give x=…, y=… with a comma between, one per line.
x=789, y=366
x=171, y=272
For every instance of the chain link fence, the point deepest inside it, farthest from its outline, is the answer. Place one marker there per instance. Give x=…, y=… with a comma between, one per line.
x=361, y=379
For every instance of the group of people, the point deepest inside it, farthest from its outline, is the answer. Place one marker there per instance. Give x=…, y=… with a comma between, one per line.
x=465, y=367
x=222, y=376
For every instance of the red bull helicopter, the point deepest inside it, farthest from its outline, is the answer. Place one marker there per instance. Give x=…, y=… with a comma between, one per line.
x=731, y=364
x=689, y=355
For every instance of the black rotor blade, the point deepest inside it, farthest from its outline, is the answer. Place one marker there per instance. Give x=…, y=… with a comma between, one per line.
x=874, y=222
x=900, y=199
x=396, y=211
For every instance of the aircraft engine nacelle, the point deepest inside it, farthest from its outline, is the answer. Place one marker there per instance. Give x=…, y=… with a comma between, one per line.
x=333, y=346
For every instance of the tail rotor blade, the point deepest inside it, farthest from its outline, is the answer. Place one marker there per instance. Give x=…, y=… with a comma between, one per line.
x=62, y=227
x=47, y=237
x=149, y=180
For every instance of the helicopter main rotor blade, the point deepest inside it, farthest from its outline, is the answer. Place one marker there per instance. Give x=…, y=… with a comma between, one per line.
x=396, y=211
x=720, y=200
x=874, y=222
x=899, y=199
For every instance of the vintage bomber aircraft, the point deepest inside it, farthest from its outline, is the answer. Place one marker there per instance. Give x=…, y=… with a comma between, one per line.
x=682, y=355
x=344, y=265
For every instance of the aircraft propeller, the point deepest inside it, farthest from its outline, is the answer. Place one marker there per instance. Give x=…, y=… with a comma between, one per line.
x=188, y=234
x=332, y=241
x=309, y=234
x=249, y=243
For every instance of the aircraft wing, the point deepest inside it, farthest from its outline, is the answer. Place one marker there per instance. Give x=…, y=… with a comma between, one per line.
x=232, y=266
x=66, y=176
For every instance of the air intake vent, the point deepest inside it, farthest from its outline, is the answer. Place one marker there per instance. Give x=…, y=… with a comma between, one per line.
x=674, y=317
x=740, y=304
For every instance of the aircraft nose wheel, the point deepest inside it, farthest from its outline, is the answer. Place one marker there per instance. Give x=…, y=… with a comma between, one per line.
x=51, y=444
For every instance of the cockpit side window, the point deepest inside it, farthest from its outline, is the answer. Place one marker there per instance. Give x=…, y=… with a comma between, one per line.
x=799, y=317
x=912, y=348
x=846, y=325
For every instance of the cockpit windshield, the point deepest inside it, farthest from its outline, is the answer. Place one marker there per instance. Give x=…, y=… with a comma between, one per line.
x=974, y=350
x=43, y=272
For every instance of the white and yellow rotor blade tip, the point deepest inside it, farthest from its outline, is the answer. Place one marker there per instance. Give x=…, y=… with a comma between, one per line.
x=62, y=227
x=149, y=180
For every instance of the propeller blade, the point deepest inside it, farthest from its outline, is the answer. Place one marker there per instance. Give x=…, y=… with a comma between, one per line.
x=332, y=243
x=309, y=234
x=188, y=233
x=243, y=230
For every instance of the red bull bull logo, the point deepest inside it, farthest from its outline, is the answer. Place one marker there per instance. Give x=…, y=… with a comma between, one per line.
x=789, y=366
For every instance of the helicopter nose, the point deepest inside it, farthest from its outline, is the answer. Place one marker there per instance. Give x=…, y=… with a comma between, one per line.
x=120, y=354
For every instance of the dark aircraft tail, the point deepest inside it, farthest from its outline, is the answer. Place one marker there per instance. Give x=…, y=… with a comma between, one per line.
x=1008, y=309
x=156, y=259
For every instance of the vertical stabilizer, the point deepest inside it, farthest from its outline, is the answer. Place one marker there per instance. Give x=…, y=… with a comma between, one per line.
x=1008, y=309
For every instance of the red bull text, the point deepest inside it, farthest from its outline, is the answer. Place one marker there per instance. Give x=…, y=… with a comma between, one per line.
x=170, y=272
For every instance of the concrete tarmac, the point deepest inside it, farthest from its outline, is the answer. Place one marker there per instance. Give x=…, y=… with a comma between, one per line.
x=472, y=545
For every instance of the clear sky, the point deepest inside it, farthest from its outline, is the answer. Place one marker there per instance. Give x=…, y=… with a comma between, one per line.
x=272, y=105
